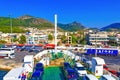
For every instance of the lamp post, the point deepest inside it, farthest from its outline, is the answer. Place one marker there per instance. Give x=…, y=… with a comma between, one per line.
x=95, y=45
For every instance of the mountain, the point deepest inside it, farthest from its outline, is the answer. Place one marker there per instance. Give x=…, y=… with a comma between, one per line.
x=23, y=22
x=74, y=26
x=26, y=21
x=114, y=26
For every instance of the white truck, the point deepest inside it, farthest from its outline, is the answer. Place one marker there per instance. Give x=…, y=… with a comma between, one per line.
x=14, y=74
x=97, y=66
x=28, y=63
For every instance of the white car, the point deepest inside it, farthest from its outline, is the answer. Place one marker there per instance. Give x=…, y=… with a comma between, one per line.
x=107, y=77
x=89, y=77
x=80, y=69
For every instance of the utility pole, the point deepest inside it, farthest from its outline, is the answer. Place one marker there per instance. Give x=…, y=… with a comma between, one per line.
x=11, y=29
x=95, y=45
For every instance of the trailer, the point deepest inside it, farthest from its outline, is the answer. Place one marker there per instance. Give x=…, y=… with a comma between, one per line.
x=97, y=66
x=28, y=63
x=14, y=74
x=103, y=51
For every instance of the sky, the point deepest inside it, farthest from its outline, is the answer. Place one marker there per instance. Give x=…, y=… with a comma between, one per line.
x=90, y=13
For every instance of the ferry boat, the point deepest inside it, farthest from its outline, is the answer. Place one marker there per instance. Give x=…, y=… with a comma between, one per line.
x=56, y=64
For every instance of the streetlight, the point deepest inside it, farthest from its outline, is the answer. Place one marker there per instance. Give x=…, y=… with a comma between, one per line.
x=95, y=45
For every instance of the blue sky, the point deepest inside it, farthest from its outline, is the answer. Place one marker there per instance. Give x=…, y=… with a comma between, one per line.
x=91, y=13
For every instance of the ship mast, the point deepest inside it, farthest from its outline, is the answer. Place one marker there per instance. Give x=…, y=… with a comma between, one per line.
x=55, y=34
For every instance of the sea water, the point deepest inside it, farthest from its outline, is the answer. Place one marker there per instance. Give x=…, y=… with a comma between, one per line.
x=2, y=74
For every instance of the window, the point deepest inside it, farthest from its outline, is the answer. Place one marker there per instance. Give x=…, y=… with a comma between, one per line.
x=12, y=54
x=5, y=49
x=80, y=68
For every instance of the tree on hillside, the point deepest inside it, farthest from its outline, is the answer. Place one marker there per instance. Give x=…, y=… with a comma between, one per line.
x=15, y=39
x=22, y=39
x=2, y=42
x=63, y=39
x=74, y=39
x=50, y=37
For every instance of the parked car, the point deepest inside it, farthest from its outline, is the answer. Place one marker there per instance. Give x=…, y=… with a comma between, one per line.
x=105, y=67
x=71, y=74
x=118, y=74
x=80, y=69
x=107, y=77
x=89, y=77
x=113, y=72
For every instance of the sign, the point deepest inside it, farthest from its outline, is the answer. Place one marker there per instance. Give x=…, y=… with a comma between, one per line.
x=103, y=51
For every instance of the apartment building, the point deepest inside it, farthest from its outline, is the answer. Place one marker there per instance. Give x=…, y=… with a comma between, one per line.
x=118, y=38
x=100, y=38
x=36, y=38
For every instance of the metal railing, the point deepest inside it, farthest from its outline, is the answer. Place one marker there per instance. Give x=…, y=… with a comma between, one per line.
x=109, y=73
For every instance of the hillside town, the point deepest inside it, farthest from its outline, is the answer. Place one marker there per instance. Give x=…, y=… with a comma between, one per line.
x=85, y=37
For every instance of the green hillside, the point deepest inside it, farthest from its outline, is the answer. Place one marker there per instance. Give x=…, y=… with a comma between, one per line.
x=74, y=26
x=24, y=21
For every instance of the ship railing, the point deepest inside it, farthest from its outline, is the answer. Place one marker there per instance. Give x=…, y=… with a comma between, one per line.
x=109, y=73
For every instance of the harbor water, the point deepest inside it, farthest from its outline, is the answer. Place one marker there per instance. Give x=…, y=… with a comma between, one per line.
x=2, y=74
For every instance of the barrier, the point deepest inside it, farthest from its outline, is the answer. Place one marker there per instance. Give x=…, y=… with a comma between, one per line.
x=107, y=72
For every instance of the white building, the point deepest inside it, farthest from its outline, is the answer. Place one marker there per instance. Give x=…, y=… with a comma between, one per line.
x=36, y=38
x=118, y=38
x=100, y=38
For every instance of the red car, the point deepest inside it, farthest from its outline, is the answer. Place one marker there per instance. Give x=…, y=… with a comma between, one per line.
x=105, y=67
x=113, y=72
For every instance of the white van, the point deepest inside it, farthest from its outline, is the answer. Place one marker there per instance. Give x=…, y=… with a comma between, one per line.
x=80, y=69
x=107, y=77
x=89, y=77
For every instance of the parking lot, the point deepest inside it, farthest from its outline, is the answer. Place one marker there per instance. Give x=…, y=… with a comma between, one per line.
x=21, y=52
x=19, y=55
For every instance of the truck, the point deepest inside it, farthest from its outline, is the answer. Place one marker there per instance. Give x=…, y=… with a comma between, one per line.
x=28, y=63
x=97, y=66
